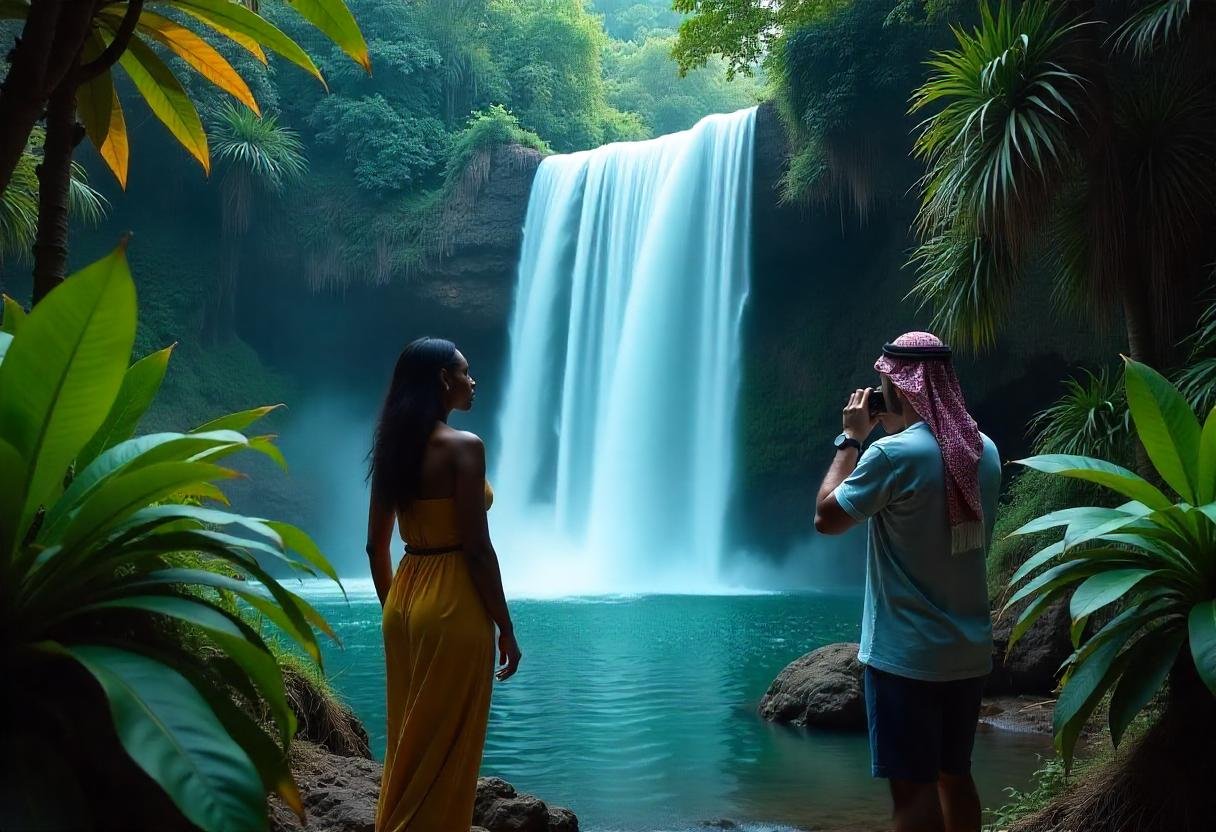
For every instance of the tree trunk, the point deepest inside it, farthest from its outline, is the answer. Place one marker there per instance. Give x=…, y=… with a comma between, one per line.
x=46, y=50
x=54, y=188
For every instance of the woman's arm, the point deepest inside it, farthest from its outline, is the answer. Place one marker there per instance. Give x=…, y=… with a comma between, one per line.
x=380, y=519
x=479, y=551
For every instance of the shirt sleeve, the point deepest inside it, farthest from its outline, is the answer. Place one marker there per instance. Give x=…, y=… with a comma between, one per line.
x=868, y=489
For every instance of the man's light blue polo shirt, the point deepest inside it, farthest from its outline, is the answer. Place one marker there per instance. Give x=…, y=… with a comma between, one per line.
x=926, y=610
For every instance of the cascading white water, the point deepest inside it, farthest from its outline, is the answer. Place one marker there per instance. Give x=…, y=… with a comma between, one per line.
x=616, y=440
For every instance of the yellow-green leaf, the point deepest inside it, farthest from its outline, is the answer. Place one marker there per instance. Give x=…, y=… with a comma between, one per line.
x=334, y=19
x=166, y=98
x=14, y=314
x=201, y=56
x=99, y=109
x=224, y=16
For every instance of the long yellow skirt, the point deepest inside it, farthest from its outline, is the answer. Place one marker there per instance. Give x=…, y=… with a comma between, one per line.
x=439, y=650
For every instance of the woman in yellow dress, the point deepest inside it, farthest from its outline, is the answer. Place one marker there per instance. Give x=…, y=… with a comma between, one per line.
x=445, y=599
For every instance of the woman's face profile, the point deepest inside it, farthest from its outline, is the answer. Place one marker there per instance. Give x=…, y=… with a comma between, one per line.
x=462, y=389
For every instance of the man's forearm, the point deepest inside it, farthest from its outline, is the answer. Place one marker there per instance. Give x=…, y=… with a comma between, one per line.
x=842, y=465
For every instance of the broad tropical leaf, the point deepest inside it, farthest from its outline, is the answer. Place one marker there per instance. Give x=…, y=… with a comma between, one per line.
x=60, y=378
x=100, y=111
x=14, y=314
x=170, y=732
x=1166, y=425
x=166, y=98
x=1202, y=627
x=1147, y=667
x=139, y=388
x=1115, y=477
x=334, y=19
x=226, y=16
x=201, y=56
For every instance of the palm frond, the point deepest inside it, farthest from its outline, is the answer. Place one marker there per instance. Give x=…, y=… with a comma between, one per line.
x=272, y=154
x=968, y=278
x=1011, y=105
x=1165, y=120
x=1151, y=25
x=1091, y=418
x=1198, y=380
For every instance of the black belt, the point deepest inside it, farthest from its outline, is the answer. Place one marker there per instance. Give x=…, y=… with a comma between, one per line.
x=438, y=550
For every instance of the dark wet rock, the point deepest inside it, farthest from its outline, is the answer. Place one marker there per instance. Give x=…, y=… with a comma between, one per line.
x=476, y=243
x=340, y=792
x=500, y=808
x=720, y=823
x=1034, y=664
x=823, y=689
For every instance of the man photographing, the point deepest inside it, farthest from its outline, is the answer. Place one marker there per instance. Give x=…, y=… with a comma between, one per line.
x=929, y=490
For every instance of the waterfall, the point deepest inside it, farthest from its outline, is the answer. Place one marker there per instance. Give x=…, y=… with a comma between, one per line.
x=616, y=438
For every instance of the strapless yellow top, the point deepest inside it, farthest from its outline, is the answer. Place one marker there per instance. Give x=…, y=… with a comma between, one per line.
x=432, y=524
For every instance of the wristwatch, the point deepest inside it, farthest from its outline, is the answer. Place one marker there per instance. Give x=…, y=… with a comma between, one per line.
x=843, y=441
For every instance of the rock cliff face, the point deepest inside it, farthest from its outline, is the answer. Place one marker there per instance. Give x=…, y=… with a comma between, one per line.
x=479, y=239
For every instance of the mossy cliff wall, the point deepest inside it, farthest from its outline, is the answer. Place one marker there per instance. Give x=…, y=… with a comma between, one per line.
x=828, y=290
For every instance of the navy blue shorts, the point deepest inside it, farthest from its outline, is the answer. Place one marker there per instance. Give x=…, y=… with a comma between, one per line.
x=919, y=729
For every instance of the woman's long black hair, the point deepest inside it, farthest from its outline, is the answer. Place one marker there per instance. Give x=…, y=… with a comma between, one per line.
x=413, y=406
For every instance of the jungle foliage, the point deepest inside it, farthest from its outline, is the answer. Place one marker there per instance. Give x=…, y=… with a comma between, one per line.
x=106, y=545
x=1152, y=558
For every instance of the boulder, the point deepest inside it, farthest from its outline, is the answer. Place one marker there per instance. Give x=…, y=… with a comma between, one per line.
x=1034, y=664
x=499, y=808
x=823, y=689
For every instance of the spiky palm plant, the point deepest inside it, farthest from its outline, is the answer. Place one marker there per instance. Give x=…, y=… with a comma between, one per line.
x=19, y=202
x=1198, y=380
x=258, y=154
x=1090, y=419
x=261, y=157
x=1049, y=134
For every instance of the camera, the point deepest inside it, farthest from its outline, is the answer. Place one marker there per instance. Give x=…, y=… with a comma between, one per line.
x=877, y=403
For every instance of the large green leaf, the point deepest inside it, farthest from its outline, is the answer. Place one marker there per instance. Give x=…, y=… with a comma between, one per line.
x=1044, y=555
x=127, y=455
x=232, y=635
x=166, y=98
x=1207, y=460
x=1057, y=576
x=1149, y=662
x=1104, y=588
x=334, y=19
x=1114, y=477
x=1087, y=684
x=287, y=617
x=1166, y=425
x=60, y=378
x=1079, y=516
x=226, y=16
x=170, y=732
x=122, y=495
x=298, y=541
x=237, y=421
x=1202, y=627
x=139, y=388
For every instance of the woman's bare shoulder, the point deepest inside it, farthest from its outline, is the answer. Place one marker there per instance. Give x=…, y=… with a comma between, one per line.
x=459, y=443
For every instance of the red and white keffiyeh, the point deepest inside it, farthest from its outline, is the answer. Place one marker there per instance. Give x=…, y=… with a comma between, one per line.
x=932, y=387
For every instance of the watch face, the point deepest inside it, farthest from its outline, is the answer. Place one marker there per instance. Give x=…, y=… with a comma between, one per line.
x=840, y=440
